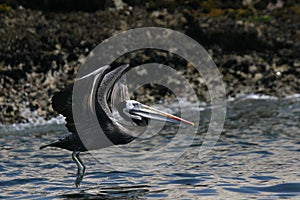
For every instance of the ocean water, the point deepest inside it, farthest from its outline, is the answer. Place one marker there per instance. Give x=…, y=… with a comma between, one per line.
x=256, y=157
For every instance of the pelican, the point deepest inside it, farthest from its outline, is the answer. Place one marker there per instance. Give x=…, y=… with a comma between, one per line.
x=107, y=88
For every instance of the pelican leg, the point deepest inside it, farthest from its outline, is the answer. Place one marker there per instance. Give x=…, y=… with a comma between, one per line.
x=81, y=167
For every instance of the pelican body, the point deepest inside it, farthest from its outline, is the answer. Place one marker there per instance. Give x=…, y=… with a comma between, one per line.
x=118, y=134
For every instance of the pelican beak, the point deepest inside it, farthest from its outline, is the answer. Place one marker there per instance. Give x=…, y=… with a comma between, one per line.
x=138, y=109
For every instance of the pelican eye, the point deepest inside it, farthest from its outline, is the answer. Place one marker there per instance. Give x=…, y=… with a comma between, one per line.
x=136, y=105
x=131, y=104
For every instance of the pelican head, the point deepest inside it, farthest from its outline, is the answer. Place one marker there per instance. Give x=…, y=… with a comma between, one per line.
x=140, y=114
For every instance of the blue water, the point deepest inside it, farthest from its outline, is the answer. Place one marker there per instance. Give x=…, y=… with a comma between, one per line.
x=256, y=157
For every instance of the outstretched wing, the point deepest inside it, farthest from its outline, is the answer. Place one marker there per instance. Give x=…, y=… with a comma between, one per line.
x=98, y=89
x=62, y=103
x=119, y=93
x=108, y=86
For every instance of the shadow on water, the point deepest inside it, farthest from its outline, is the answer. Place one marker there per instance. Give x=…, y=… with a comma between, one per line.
x=284, y=189
x=257, y=156
x=126, y=192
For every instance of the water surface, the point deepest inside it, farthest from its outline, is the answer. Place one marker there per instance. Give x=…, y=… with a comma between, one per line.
x=256, y=157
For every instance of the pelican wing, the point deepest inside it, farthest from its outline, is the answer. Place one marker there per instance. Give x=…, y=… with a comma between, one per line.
x=62, y=102
x=100, y=88
x=109, y=91
x=108, y=86
x=119, y=92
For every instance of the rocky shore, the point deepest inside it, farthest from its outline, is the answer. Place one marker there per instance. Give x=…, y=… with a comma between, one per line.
x=255, y=48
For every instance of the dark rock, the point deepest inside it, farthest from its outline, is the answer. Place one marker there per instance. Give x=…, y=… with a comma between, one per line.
x=59, y=5
x=41, y=51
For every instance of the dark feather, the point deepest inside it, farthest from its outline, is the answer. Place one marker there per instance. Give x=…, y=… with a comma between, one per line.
x=62, y=103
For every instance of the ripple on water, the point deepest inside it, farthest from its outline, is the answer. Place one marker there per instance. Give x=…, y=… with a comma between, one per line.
x=204, y=192
x=289, y=189
x=263, y=178
x=256, y=156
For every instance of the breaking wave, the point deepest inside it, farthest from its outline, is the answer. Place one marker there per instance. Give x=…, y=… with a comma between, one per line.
x=38, y=124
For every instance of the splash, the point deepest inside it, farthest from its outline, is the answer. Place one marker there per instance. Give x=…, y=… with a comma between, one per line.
x=35, y=123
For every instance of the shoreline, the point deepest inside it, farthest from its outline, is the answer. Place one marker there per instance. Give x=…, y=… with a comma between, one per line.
x=34, y=120
x=40, y=52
